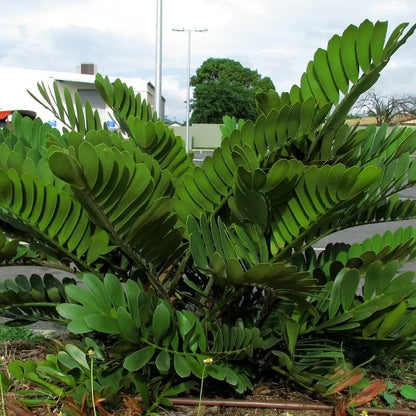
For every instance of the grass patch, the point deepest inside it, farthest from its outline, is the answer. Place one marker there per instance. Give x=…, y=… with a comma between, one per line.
x=17, y=333
x=402, y=370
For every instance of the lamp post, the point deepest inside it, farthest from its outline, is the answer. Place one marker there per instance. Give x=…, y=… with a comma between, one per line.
x=158, y=76
x=188, y=89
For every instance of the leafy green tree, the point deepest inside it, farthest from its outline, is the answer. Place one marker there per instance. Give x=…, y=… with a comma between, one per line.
x=194, y=272
x=225, y=87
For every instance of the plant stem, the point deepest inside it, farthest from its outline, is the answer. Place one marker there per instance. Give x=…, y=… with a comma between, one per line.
x=3, y=404
x=178, y=274
x=92, y=385
x=198, y=413
x=95, y=208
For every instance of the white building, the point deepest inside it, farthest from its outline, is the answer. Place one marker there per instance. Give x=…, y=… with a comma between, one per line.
x=15, y=82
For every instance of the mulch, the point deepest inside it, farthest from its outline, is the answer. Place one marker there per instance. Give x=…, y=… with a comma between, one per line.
x=264, y=392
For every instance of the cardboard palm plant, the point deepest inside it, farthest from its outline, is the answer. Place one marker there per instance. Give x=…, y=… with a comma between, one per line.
x=182, y=263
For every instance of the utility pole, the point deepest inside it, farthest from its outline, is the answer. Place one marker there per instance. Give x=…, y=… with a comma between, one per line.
x=158, y=76
x=188, y=77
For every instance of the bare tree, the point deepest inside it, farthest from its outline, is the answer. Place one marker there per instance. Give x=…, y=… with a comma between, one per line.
x=386, y=108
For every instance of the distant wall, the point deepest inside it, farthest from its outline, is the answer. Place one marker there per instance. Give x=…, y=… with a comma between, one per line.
x=208, y=136
x=202, y=136
x=367, y=121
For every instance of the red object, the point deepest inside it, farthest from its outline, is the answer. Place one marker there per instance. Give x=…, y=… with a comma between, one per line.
x=369, y=393
x=4, y=114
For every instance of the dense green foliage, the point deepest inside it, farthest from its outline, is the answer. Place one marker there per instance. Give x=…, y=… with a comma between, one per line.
x=184, y=263
x=224, y=87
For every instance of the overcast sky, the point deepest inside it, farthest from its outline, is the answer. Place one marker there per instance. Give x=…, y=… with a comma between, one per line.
x=276, y=37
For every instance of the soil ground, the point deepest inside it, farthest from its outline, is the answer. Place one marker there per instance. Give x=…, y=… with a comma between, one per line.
x=270, y=392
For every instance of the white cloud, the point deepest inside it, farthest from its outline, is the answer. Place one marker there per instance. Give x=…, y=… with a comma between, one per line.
x=176, y=110
x=276, y=37
x=394, y=6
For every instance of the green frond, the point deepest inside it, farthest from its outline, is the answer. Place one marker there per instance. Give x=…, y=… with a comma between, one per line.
x=8, y=249
x=281, y=182
x=359, y=53
x=14, y=253
x=335, y=77
x=354, y=52
x=230, y=124
x=304, y=209
x=160, y=142
x=316, y=359
x=370, y=145
x=321, y=193
x=381, y=146
x=377, y=309
x=211, y=240
x=240, y=255
x=26, y=300
x=272, y=100
x=236, y=341
x=68, y=108
x=282, y=131
x=124, y=102
x=312, y=363
x=387, y=209
x=32, y=134
x=185, y=249
x=175, y=339
x=258, y=145
x=130, y=200
x=398, y=246
x=23, y=148
x=249, y=202
x=209, y=186
x=52, y=216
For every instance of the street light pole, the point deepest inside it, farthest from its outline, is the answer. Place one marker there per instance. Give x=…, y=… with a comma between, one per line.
x=158, y=76
x=188, y=77
x=188, y=92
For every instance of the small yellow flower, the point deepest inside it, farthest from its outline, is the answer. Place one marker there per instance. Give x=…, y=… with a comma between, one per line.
x=364, y=413
x=208, y=361
x=288, y=414
x=90, y=352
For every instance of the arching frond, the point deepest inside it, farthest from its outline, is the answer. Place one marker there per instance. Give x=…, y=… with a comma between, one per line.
x=130, y=200
x=124, y=101
x=26, y=300
x=69, y=108
x=50, y=216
